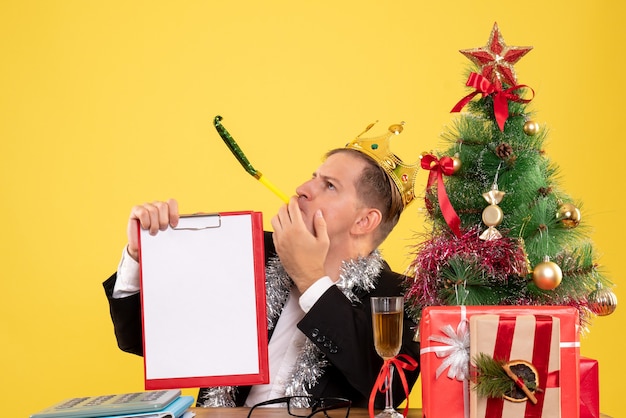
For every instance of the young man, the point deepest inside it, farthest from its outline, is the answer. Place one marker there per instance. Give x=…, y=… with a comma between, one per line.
x=322, y=268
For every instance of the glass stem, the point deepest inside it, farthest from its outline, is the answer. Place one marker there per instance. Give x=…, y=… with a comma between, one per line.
x=388, y=393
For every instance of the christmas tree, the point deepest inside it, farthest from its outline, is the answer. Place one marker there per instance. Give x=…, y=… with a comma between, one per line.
x=503, y=231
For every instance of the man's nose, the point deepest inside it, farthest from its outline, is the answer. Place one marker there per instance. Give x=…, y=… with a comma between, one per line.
x=304, y=190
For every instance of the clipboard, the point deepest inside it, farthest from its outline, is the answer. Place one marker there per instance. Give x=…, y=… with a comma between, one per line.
x=203, y=302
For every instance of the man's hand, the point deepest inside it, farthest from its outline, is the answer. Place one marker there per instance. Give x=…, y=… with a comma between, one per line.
x=301, y=252
x=154, y=217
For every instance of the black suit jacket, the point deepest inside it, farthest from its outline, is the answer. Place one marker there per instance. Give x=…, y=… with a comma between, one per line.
x=340, y=328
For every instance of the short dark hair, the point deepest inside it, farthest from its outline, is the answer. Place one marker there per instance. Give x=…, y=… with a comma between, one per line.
x=376, y=189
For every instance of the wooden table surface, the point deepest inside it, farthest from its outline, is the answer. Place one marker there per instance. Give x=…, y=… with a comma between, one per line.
x=277, y=412
x=280, y=412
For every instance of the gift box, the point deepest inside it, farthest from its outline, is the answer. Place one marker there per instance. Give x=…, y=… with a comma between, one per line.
x=444, y=357
x=589, y=388
x=528, y=343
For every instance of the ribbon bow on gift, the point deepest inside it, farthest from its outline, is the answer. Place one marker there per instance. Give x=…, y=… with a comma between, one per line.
x=500, y=97
x=437, y=168
x=456, y=351
x=400, y=362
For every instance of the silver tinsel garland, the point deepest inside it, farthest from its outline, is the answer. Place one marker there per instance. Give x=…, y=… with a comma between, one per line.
x=355, y=275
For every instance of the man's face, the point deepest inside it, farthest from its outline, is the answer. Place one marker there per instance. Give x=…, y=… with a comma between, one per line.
x=332, y=189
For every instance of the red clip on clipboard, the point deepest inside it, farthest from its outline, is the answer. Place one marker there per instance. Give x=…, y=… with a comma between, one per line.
x=203, y=302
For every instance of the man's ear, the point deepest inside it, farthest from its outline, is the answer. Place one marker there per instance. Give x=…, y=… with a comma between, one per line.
x=368, y=222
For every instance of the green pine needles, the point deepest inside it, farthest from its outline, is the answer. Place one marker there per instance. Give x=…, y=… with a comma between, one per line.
x=462, y=270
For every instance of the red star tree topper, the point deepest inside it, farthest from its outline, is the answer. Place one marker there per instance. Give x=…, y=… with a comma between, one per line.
x=496, y=59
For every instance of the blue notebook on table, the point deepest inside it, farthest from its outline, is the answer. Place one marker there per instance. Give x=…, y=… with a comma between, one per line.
x=161, y=404
x=174, y=410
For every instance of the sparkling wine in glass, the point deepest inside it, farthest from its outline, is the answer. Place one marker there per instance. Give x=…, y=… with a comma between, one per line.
x=387, y=314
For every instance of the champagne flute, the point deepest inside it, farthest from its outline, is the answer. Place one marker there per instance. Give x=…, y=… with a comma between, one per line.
x=387, y=315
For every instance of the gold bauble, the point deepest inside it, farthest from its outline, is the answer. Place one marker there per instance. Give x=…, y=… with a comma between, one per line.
x=456, y=163
x=602, y=302
x=569, y=215
x=531, y=128
x=547, y=275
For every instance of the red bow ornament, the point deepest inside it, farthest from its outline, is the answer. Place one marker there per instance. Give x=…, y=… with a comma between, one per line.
x=437, y=168
x=500, y=97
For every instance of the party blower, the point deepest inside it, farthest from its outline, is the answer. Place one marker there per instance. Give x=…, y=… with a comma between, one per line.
x=241, y=157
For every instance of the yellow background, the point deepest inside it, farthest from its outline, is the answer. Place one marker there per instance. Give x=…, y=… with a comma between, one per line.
x=107, y=104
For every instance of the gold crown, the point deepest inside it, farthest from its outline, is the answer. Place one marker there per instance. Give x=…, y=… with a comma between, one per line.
x=403, y=175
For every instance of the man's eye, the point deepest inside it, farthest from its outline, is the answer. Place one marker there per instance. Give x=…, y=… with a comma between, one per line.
x=330, y=185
